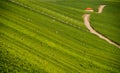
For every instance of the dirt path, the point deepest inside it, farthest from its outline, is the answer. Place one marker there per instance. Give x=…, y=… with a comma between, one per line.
x=100, y=8
x=87, y=24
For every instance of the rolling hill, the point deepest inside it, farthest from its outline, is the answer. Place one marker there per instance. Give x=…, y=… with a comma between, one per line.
x=49, y=36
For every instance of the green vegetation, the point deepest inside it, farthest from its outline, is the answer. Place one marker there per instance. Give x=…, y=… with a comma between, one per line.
x=108, y=21
x=49, y=36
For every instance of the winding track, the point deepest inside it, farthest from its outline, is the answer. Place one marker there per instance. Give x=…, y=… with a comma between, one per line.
x=100, y=9
x=88, y=25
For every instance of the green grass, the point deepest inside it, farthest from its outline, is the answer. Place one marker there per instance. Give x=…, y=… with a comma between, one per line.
x=108, y=21
x=50, y=37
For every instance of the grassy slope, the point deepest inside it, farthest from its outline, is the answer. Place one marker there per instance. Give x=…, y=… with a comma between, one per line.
x=35, y=39
x=108, y=21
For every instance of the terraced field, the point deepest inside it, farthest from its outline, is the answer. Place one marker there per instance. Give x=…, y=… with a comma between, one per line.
x=49, y=36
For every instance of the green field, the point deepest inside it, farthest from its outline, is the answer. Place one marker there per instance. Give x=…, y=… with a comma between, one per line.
x=49, y=36
x=108, y=21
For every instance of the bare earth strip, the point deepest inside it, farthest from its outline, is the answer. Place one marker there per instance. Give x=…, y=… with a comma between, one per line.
x=87, y=24
x=100, y=9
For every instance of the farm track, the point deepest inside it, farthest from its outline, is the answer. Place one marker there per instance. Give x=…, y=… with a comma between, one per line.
x=88, y=25
x=59, y=53
x=29, y=30
x=61, y=50
x=32, y=28
x=100, y=9
x=37, y=28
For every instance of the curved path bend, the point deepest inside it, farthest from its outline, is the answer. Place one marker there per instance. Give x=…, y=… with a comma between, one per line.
x=100, y=8
x=88, y=25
